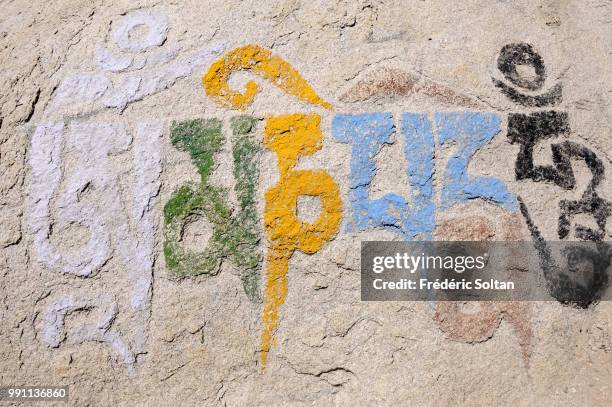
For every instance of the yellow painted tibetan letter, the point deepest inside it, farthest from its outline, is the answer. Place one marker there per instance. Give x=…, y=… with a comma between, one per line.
x=262, y=62
x=290, y=137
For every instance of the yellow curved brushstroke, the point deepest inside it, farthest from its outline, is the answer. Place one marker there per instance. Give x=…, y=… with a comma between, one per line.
x=290, y=137
x=262, y=62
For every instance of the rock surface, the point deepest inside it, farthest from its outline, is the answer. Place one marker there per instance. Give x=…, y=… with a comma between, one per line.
x=89, y=94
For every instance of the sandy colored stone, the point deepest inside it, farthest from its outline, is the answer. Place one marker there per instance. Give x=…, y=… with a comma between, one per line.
x=127, y=332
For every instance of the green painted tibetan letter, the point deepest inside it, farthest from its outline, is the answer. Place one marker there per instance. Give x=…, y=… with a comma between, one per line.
x=235, y=234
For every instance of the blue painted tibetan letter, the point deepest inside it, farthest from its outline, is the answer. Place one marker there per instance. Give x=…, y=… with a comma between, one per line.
x=467, y=132
x=367, y=133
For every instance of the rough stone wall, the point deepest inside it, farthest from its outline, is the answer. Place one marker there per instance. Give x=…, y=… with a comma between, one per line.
x=175, y=234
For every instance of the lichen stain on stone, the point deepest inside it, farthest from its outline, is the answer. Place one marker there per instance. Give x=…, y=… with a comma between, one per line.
x=261, y=62
x=382, y=82
x=234, y=236
x=481, y=326
x=292, y=136
x=393, y=83
x=466, y=228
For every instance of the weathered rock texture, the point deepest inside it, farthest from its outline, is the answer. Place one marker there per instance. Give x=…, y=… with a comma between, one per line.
x=184, y=188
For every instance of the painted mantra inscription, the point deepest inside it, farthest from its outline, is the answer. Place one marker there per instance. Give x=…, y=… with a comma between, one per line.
x=73, y=182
